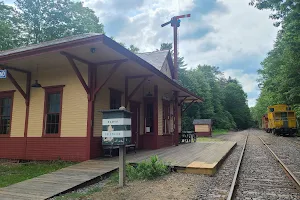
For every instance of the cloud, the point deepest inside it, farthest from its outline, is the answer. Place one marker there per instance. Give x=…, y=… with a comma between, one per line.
x=229, y=34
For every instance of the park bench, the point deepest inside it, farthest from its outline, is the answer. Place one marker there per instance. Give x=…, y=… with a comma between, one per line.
x=187, y=137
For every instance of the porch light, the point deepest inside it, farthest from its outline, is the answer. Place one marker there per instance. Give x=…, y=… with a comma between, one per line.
x=36, y=83
x=149, y=94
x=93, y=50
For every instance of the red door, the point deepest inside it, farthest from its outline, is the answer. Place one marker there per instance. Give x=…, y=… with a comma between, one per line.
x=135, y=122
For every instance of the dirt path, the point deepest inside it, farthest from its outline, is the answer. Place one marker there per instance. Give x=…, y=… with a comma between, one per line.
x=174, y=186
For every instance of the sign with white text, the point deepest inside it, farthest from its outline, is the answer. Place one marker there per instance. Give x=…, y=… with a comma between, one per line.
x=116, y=127
x=3, y=73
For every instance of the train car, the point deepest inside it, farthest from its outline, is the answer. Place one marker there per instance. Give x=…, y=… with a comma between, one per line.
x=264, y=123
x=281, y=120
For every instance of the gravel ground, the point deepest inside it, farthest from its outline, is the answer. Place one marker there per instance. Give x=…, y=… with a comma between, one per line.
x=181, y=186
x=286, y=148
x=217, y=186
x=261, y=177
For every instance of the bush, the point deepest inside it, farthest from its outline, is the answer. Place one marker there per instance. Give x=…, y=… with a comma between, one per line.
x=146, y=170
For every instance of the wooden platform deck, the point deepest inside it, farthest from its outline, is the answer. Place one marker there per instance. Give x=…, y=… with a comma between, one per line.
x=192, y=158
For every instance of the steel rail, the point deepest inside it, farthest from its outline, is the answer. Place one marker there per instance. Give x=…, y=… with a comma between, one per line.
x=234, y=181
x=290, y=173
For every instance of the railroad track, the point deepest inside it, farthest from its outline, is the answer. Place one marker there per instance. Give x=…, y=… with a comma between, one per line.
x=258, y=175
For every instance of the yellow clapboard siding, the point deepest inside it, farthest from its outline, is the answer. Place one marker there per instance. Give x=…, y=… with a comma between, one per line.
x=201, y=128
x=101, y=103
x=74, y=102
x=19, y=107
x=160, y=113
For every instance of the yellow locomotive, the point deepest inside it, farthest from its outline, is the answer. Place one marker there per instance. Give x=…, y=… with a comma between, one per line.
x=281, y=120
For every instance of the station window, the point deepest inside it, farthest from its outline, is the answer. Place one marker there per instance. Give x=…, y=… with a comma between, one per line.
x=115, y=99
x=53, y=109
x=149, y=117
x=6, y=99
x=166, y=117
x=271, y=109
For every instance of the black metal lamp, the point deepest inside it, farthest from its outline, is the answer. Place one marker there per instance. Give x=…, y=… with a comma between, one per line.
x=36, y=82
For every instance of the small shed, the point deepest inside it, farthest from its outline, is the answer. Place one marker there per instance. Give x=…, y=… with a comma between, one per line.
x=203, y=127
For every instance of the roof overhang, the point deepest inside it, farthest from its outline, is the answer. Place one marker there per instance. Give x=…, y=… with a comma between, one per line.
x=76, y=43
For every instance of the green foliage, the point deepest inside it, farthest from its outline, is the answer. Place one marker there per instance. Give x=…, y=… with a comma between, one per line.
x=208, y=82
x=35, y=21
x=134, y=49
x=78, y=194
x=11, y=173
x=146, y=170
x=10, y=27
x=279, y=77
x=220, y=131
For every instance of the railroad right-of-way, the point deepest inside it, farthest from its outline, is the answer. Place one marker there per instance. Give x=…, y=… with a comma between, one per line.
x=261, y=176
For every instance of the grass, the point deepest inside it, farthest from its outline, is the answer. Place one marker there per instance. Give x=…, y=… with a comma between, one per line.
x=219, y=131
x=11, y=173
x=208, y=139
x=79, y=195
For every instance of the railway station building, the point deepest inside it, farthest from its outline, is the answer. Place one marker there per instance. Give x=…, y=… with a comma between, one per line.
x=51, y=97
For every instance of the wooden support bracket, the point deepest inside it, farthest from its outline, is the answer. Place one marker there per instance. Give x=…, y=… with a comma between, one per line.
x=13, y=68
x=15, y=83
x=112, y=71
x=137, y=88
x=78, y=74
x=75, y=58
x=181, y=102
x=189, y=105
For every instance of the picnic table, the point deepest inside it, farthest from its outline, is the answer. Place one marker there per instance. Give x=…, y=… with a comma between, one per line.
x=187, y=137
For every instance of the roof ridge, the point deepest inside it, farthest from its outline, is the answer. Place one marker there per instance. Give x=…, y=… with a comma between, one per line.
x=153, y=51
x=66, y=39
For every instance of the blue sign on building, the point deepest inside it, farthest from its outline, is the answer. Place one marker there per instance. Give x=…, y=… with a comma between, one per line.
x=3, y=73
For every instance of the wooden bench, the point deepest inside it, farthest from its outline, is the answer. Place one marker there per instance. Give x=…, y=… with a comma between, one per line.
x=110, y=148
x=187, y=136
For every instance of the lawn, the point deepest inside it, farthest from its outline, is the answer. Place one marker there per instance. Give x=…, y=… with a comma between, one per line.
x=219, y=131
x=11, y=172
x=208, y=139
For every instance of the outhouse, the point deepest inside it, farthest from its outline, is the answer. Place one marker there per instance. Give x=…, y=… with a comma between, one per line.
x=203, y=127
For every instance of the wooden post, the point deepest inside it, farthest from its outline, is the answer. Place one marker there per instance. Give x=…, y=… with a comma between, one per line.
x=122, y=165
x=175, y=50
x=176, y=134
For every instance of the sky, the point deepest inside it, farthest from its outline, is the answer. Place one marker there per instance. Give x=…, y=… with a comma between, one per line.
x=228, y=34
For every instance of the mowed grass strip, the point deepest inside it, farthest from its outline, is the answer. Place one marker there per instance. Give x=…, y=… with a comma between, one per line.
x=11, y=172
x=219, y=132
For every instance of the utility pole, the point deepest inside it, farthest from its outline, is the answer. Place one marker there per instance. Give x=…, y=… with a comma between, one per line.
x=175, y=23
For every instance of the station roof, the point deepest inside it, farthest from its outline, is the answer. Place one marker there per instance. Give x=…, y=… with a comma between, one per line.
x=150, y=61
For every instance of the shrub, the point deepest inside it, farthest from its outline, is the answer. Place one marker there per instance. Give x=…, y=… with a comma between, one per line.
x=146, y=170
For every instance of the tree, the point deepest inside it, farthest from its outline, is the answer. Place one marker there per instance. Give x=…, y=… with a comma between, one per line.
x=279, y=77
x=46, y=20
x=236, y=104
x=134, y=49
x=281, y=8
x=10, y=34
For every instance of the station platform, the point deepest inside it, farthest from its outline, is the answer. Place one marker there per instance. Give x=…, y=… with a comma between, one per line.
x=197, y=158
